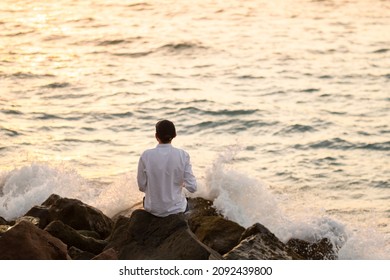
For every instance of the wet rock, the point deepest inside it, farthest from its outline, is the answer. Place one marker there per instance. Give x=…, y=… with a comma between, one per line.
x=144, y=236
x=74, y=213
x=320, y=250
x=211, y=228
x=73, y=238
x=109, y=254
x=4, y=228
x=74, y=230
x=216, y=232
x=25, y=241
x=3, y=221
x=127, y=212
x=258, y=243
x=77, y=254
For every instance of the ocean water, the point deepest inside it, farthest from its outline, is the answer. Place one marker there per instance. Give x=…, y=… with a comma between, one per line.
x=283, y=106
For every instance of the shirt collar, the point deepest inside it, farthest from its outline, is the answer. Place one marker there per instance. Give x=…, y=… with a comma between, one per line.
x=164, y=145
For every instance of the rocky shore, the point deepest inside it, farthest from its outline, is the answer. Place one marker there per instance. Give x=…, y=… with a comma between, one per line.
x=68, y=229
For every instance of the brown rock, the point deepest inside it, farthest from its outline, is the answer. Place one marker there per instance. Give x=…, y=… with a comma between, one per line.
x=77, y=254
x=144, y=236
x=211, y=228
x=320, y=250
x=258, y=243
x=3, y=221
x=216, y=232
x=109, y=254
x=72, y=238
x=74, y=213
x=24, y=241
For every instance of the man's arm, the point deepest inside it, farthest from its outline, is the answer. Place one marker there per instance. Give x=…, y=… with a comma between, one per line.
x=189, y=178
x=141, y=176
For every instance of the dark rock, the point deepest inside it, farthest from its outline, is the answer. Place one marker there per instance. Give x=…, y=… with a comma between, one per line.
x=42, y=213
x=3, y=221
x=77, y=254
x=144, y=236
x=320, y=250
x=89, y=233
x=258, y=243
x=127, y=212
x=216, y=232
x=72, y=238
x=74, y=230
x=201, y=207
x=24, y=241
x=211, y=228
x=74, y=213
x=31, y=219
x=109, y=254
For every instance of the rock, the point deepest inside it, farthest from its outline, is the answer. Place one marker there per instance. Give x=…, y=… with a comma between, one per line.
x=211, y=228
x=201, y=207
x=74, y=213
x=77, y=254
x=31, y=219
x=109, y=254
x=127, y=212
x=320, y=250
x=216, y=232
x=63, y=228
x=3, y=221
x=258, y=243
x=144, y=236
x=4, y=228
x=25, y=241
x=42, y=213
x=72, y=238
x=89, y=233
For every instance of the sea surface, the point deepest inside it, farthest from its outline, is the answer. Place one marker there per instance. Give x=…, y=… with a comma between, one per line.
x=283, y=106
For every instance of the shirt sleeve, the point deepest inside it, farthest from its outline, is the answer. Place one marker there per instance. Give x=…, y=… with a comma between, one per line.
x=142, y=179
x=189, y=178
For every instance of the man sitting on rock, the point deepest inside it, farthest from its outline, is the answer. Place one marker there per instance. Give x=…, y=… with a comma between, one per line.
x=163, y=172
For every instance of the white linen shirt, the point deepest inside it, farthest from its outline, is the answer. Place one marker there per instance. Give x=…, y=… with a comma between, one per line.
x=162, y=173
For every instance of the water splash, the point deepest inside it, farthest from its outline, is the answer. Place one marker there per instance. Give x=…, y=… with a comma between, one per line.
x=247, y=200
x=22, y=188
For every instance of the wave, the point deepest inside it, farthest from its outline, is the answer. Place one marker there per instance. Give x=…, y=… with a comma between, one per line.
x=236, y=195
x=8, y=132
x=56, y=85
x=250, y=77
x=134, y=54
x=111, y=42
x=11, y=112
x=310, y=90
x=223, y=112
x=382, y=51
x=296, y=128
x=341, y=144
x=76, y=116
x=171, y=48
x=248, y=200
x=28, y=75
x=181, y=48
x=142, y=6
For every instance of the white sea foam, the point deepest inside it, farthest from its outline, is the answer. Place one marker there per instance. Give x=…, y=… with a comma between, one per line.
x=24, y=187
x=248, y=200
x=237, y=196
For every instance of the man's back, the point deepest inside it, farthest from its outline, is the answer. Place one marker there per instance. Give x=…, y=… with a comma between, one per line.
x=162, y=174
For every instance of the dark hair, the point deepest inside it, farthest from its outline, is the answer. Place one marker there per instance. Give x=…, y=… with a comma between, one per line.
x=165, y=131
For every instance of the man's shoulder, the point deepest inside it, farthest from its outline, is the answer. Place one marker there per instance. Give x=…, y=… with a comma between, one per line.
x=148, y=152
x=181, y=151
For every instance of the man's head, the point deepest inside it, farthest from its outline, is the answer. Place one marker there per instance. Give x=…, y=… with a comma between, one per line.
x=165, y=131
